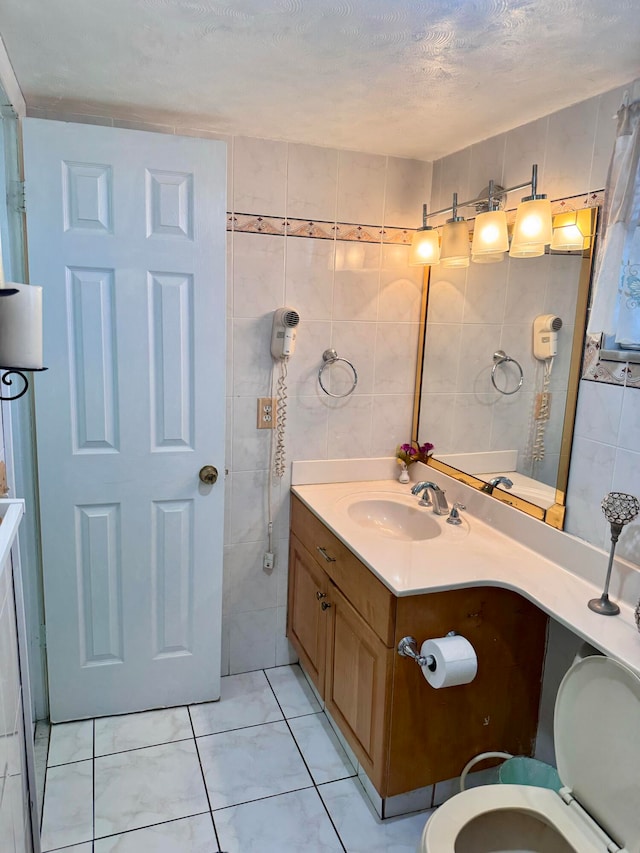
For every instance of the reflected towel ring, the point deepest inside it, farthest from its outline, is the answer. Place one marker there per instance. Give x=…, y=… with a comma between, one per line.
x=329, y=357
x=500, y=357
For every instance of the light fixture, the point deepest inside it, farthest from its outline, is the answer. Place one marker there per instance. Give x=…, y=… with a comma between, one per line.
x=532, y=230
x=455, y=249
x=570, y=230
x=425, y=245
x=490, y=235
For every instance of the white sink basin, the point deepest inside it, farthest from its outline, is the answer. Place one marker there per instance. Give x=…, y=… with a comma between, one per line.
x=394, y=518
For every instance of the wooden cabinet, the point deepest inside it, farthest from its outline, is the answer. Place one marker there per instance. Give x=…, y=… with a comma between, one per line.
x=345, y=625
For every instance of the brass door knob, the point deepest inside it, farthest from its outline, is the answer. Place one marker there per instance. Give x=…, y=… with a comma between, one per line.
x=325, y=605
x=208, y=475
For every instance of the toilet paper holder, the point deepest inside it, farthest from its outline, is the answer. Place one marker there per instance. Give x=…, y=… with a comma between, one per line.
x=408, y=648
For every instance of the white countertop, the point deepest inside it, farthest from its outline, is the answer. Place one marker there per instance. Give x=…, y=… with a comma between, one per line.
x=472, y=555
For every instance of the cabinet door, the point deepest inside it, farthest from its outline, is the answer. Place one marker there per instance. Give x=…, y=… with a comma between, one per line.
x=358, y=685
x=306, y=618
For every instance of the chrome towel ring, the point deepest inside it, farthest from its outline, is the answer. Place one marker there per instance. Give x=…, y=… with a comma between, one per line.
x=329, y=357
x=500, y=357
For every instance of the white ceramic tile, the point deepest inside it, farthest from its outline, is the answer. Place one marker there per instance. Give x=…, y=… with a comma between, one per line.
x=395, y=358
x=400, y=295
x=569, y=152
x=312, y=177
x=248, y=764
x=249, y=585
x=292, y=691
x=321, y=750
x=626, y=478
x=478, y=343
x=68, y=805
x=441, y=357
x=486, y=163
x=562, y=286
x=391, y=423
x=245, y=700
x=628, y=434
x=307, y=425
x=526, y=288
x=249, y=506
x=6, y=825
x=436, y=421
x=355, y=291
x=361, y=180
x=251, y=357
x=289, y=823
x=259, y=176
x=40, y=747
x=590, y=478
x=455, y=177
x=229, y=272
x=350, y=422
x=149, y=728
x=472, y=421
x=606, y=123
x=512, y=417
x=258, y=274
x=147, y=786
x=436, y=174
x=285, y=653
x=355, y=342
x=187, y=835
x=252, y=640
x=408, y=187
x=70, y=742
x=525, y=145
x=309, y=276
x=80, y=848
x=314, y=337
x=486, y=292
x=341, y=738
x=250, y=445
x=361, y=829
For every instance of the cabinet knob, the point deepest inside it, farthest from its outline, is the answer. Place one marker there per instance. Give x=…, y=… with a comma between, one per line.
x=325, y=605
x=326, y=556
x=320, y=595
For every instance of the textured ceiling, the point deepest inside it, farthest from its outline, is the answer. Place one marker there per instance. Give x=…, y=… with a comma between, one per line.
x=418, y=78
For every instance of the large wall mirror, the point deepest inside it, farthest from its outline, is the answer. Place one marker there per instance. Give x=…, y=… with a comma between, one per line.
x=485, y=414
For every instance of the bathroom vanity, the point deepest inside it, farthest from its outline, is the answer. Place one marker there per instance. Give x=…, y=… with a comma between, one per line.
x=345, y=624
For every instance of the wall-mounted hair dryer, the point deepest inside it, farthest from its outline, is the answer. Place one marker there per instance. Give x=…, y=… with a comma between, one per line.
x=545, y=336
x=283, y=332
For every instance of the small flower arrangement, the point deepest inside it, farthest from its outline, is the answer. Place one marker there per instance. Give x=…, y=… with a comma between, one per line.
x=413, y=452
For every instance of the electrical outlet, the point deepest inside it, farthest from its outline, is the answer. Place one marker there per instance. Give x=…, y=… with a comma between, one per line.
x=266, y=412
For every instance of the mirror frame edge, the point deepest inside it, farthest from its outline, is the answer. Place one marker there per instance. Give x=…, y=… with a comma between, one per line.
x=555, y=514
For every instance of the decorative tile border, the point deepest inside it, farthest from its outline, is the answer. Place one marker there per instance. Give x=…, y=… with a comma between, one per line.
x=610, y=372
x=252, y=223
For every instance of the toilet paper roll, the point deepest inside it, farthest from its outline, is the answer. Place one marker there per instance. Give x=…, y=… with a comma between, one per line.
x=455, y=661
x=21, y=328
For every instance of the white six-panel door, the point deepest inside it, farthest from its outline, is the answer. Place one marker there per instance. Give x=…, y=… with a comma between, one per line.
x=126, y=233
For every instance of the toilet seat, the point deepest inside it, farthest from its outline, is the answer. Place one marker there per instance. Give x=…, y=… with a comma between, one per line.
x=443, y=828
x=597, y=739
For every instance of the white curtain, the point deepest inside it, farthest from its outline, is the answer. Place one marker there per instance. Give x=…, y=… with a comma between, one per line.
x=616, y=302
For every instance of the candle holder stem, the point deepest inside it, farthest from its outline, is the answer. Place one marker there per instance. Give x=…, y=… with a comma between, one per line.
x=602, y=605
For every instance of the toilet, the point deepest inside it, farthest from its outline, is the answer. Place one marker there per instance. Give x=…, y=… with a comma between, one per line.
x=597, y=740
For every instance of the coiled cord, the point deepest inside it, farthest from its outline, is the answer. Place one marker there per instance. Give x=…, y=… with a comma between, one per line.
x=542, y=414
x=279, y=459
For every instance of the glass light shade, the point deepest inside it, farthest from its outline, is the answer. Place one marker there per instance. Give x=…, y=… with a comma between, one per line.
x=455, y=245
x=532, y=226
x=567, y=238
x=425, y=248
x=533, y=250
x=490, y=234
x=488, y=258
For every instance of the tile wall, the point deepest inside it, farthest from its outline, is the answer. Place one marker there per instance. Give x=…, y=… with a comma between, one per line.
x=572, y=148
x=369, y=315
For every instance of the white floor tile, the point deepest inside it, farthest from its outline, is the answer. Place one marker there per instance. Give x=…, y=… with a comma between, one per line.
x=189, y=835
x=68, y=805
x=360, y=829
x=245, y=700
x=79, y=848
x=251, y=763
x=325, y=758
x=150, y=728
x=147, y=786
x=292, y=690
x=289, y=823
x=70, y=742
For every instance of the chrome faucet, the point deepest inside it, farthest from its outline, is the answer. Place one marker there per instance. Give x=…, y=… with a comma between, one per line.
x=440, y=505
x=490, y=486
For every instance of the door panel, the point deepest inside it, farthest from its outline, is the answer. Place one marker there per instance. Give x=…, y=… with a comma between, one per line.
x=127, y=236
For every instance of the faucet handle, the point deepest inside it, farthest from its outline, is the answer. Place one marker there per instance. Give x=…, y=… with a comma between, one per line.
x=454, y=515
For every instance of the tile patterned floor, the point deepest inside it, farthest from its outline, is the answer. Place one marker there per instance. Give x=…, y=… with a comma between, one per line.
x=260, y=771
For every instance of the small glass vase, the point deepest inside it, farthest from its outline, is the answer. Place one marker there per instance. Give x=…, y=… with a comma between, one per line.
x=404, y=474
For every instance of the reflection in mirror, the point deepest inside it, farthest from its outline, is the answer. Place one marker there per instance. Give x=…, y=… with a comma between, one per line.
x=485, y=420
